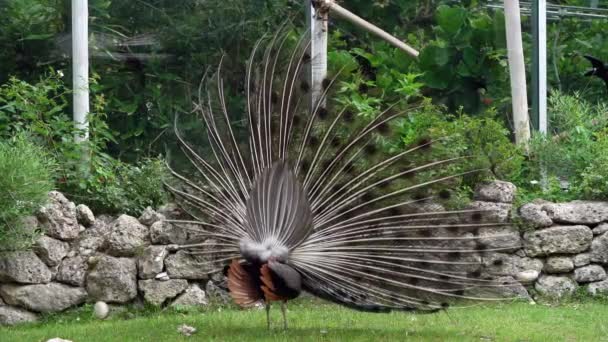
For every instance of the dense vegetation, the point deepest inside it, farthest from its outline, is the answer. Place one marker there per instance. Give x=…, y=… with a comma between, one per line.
x=149, y=56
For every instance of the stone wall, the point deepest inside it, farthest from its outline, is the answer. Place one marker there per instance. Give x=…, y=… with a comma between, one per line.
x=563, y=246
x=117, y=260
x=555, y=248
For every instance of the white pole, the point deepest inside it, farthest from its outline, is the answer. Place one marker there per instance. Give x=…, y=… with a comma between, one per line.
x=80, y=73
x=517, y=71
x=317, y=23
x=542, y=66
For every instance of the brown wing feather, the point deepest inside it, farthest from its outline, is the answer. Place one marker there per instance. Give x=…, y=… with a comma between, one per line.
x=268, y=287
x=241, y=286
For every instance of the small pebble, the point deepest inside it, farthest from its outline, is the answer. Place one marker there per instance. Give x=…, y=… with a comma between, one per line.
x=101, y=310
x=186, y=330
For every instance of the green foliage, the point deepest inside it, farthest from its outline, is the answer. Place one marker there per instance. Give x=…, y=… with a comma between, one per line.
x=27, y=177
x=573, y=156
x=483, y=140
x=464, y=59
x=85, y=171
x=117, y=187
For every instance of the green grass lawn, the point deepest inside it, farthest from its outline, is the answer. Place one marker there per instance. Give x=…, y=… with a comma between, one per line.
x=313, y=321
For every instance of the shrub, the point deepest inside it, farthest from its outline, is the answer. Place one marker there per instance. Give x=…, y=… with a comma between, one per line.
x=85, y=171
x=27, y=178
x=117, y=187
x=572, y=160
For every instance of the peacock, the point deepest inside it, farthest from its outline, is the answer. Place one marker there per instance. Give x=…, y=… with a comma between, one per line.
x=298, y=198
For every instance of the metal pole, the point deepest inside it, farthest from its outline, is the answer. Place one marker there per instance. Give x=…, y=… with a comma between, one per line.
x=80, y=74
x=539, y=70
x=316, y=19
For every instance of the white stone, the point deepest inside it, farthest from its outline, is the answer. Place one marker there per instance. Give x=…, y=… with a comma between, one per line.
x=528, y=276
x=101, y=310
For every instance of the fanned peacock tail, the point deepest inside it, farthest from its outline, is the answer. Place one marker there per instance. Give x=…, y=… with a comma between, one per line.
x=316, y=191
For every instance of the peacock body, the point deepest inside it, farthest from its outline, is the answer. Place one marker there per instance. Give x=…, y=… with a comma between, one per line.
x=310, y=202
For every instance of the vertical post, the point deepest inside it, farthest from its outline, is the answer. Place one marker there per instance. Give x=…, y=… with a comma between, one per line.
x=316, y=19
x=517, y=72
x=80, y=73
x=539, y=72
x=593, y=3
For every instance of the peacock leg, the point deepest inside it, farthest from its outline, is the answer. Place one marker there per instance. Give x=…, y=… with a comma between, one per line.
x=284, y=313
x=268, y=314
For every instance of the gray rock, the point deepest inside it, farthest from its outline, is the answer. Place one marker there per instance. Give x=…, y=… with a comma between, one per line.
x=50, y=250
x=12, y=316
x=527, y=277
x=112, y=280
x=598, y=288
x=84, y=215
x=29, y=224
x=157, y=292
x=23, y=267
x=501, y=264
x=127, y=236
x=500, y=237
x=184, y=265
x=89, y=245
x=558, y=240
x=73, y=271
x=495, y=191
x=533, y=214
x=193, y=296
x=173, y=211
x=589, y=274
x=599, y=249
x=506, y=287
x=600, y=229
x=555, y=286
x=51, y=297
x=558, y=264
x=58, y=217
x=163, y=232
x=152, y=261
x=577, y=212
x=149, y=216
x=217, y=294
x=582, y=259
x=491, y=211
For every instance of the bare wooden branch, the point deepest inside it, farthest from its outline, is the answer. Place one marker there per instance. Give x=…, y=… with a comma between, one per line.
x=358, y=21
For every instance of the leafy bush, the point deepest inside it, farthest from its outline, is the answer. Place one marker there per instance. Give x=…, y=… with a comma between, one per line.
x=483, y=140
x=117, y=187
x=27, y=178
x=85, y=170
x=572, y=159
